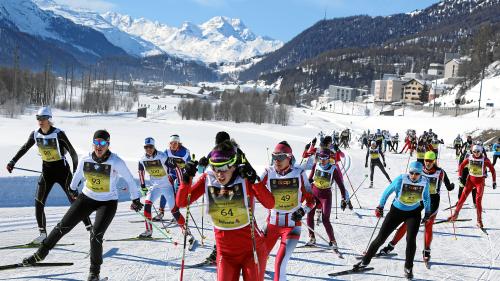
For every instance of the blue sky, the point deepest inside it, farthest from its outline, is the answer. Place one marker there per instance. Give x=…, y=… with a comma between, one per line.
x=279, y=19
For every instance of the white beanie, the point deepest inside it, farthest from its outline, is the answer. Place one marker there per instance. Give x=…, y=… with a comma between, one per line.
x=44, y=111
x=175, y=138
x=149, y=141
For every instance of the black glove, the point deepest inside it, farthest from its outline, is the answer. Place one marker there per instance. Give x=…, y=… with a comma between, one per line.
x=247, y=172
x=451, y=187
x=343, y=204
x=10, y=166
x=203, y=161
x=136, y=205
x=426, y=217
x=298, y=214
x=313, y=142
x=307, y=146
x=173, y=162
x=379, y=212
x=73, y=193
x=311, y=180
x=336, y=147
x=385, y=165
x=366, y=165
x=144, y=190
x=189, y=171
x=494, y=185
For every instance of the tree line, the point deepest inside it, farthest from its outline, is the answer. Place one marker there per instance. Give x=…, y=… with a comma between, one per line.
x=236, y=107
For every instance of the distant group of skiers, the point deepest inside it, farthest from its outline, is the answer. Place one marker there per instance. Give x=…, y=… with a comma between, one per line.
x=230, y=186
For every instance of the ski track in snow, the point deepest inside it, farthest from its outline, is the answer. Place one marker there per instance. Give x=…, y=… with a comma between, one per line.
x=473, y=256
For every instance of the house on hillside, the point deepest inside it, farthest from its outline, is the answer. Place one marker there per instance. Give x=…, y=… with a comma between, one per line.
x=388, y=90
x=413, y=91
x=188, y=92
x=344, y=93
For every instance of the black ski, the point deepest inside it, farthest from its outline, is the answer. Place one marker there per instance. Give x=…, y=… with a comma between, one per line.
x=136, y=239
x=350, y=271
x=380, y=255
x=30, y=245
x=40, y=264
x=446, y=220
x=453, y=206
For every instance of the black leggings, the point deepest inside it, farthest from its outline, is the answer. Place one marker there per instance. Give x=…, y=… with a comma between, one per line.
x=393, y=219
x=59, y=174
x=377, y=163
x=80, y=209
x=495, y=159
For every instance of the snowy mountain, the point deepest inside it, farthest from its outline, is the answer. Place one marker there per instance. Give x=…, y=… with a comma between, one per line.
x=220, y=39
x=133, y=45
x=42, y=36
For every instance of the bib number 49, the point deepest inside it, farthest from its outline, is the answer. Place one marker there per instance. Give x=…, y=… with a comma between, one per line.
x=285, y=197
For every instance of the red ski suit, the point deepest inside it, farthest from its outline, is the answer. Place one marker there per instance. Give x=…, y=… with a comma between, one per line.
x=279, y=222
x=234, y=247
x=475, y=181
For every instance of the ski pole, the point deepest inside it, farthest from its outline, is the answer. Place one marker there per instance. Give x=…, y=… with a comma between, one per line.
x=252, y=234
x=28, y=170
x=196, y=225
x=317, y=233
x=366, y=176
x=169, y=237
x=369, y=241
x=451, y=214
x=355, y=196
x=407, y=162
x=161, y=220
x=202, y=219
x=268, y=161
x=185, y=237
x=336, y=211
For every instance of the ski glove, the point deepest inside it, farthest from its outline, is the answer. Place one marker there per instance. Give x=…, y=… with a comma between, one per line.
x=203, y=161
x=313, y=142
x=10, y=166
x=366, y=165
x=136, y=205
x=451, y=187
x=343, y=204
x=494, y=185
x=247, y=172
x=307, y=146
x=73, y=193
x=311, y=180
x=172, y=162
x=379, y=212
x=385, y=165
x=426, y=217
x=298, y=214
x=189, y=171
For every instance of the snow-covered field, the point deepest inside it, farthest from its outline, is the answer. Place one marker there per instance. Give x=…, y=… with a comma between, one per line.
x=472, y=256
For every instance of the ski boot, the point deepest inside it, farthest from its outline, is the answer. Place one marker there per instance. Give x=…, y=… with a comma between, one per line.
x=359, y=265
x=31, y=260
x=409, y=273
x=349, y=205
x=93, y=276
x=158, y=217
x=371, y=185
x=426, y=255
x=333, y=244
x=386, y=250
x=311, y=242
x=146, y=234
x=39, y=239
x=212, y=258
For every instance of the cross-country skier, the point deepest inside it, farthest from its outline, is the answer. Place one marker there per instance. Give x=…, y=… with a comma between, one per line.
x=231, y=204
x=436, y=177
x=375, y=153
x=477, y=164
x=322, y=176
x=99, y=171
x=293, y=199
x=435, y=142
x=52, y=144
x=178, y=155
x=410, y=189
x=395, y=143
x=496, y=151
x=154, y=162
x=364, y=140
x=457, y=145
x=379, y=138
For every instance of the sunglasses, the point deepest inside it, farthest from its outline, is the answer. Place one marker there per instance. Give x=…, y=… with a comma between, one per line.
x=100, y=142
x=324, y=157
x=42, y=117
x=280, y=156
x=476, y=151
x=428, y=160
x=414, y=173
x=223, y=168
x=149, y=147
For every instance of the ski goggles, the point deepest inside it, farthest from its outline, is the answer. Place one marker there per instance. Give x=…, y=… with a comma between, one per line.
x=324, y=157
x=149, y=146
x=280, y=156
x=42, y=117
x=222, y=166
x=100, y=142
x=414, y=173
x=476, y=151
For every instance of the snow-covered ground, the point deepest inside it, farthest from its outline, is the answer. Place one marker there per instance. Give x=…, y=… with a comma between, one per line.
x=472, y=256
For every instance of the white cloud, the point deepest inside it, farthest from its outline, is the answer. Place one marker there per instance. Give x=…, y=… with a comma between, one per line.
x=93, y=5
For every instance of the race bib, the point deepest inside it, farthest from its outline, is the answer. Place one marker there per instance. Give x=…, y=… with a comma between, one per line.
x=498, y=148
x=227, y=206
x=420, y=155
x=476, y=168
x=97, y=176
x=155, y=168
x=432, y=185
x=411, y=194
x=286, y=193
x=48, y=149
x=322, y=179
x=374, y=155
